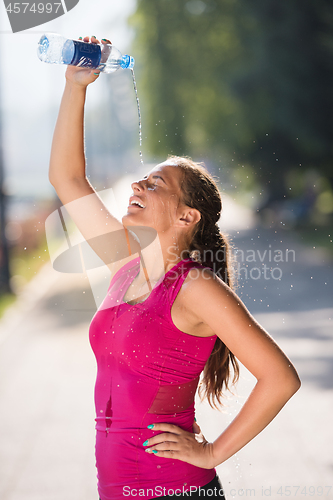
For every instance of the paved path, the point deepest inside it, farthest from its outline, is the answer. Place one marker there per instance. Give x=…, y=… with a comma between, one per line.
x=47, y=373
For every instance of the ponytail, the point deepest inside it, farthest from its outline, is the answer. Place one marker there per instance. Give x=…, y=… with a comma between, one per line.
x=210, y=247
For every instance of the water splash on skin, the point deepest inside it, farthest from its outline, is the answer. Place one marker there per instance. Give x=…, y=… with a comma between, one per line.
x=139, y=114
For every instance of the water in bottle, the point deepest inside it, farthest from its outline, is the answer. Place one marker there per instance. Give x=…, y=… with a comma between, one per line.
x=56, y=49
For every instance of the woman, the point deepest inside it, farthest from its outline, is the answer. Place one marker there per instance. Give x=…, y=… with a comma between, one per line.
x=165, y=319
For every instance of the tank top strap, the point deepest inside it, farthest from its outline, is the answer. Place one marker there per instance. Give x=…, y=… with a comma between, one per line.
x=123, y=278
x=175, y=277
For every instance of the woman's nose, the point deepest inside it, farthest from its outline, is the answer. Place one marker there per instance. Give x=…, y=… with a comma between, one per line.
x=138, y=185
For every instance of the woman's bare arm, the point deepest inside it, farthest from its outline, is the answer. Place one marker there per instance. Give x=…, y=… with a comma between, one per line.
x=67, y=172
x=277, y=380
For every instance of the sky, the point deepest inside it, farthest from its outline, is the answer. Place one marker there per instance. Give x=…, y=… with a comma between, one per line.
x=30, y=91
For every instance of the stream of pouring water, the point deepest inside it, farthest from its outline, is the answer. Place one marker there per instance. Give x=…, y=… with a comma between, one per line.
x=139, y=114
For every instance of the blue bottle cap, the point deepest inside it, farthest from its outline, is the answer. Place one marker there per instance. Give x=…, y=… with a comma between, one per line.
x=127, y=62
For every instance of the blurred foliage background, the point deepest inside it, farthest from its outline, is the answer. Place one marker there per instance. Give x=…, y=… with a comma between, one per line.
x=247, y=85
x=244, y=86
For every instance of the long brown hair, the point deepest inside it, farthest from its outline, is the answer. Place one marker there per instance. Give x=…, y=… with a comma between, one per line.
x=199, y=191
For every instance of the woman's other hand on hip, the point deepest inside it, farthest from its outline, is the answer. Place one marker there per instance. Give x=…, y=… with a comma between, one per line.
x=174, y=442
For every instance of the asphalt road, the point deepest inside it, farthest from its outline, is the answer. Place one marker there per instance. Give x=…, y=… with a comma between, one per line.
x=47, y=373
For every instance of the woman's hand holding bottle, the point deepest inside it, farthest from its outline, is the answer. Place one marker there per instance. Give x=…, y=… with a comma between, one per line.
x=82, y=77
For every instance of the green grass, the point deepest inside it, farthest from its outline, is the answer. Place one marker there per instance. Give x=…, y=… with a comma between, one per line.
x=24, y=264
x=27, y=264
x=6, y=299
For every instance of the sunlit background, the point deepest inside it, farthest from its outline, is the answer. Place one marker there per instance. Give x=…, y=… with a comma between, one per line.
x=245, y=87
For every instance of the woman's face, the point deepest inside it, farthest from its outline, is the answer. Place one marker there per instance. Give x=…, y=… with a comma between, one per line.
x=156, y=199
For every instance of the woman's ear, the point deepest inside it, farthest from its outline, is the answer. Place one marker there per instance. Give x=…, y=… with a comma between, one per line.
x=190, y=217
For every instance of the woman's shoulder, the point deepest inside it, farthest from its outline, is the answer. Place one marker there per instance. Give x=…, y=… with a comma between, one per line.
x=202, y=284
x=200, y=275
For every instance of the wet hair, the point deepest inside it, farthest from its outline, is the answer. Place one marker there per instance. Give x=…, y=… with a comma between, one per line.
x=210, y=247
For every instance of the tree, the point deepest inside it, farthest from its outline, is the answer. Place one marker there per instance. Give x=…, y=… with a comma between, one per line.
x=248, y=80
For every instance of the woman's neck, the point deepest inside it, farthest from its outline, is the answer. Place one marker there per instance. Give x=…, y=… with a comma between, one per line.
x=158, y=259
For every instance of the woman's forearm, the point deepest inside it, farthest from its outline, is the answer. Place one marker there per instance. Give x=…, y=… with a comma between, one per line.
x=264, y=403
x=67, y=154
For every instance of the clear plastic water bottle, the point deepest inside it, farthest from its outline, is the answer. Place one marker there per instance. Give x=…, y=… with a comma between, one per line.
x=56, y=49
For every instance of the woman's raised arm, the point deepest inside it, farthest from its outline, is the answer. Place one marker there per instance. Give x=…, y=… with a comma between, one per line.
x=67, y=171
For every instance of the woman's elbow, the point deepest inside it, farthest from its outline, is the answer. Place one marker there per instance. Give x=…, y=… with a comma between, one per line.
x=52, y=176
x=285, y=381
x=289, y=378
x=291, y=382
x=296, y=383
x=52, y=180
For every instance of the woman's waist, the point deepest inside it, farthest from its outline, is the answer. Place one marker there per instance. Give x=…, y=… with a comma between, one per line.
x=134, y=402
x=125, y=423
x=132, y=466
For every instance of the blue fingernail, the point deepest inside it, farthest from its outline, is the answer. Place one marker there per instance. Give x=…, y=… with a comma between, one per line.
x=151, y=426
x=145, y=443
x=155, y=451
x=195, y=419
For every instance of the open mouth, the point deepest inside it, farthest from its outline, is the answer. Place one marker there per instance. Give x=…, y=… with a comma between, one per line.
x=135, y=202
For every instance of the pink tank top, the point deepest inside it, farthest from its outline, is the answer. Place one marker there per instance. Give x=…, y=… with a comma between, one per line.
x=147, y=372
